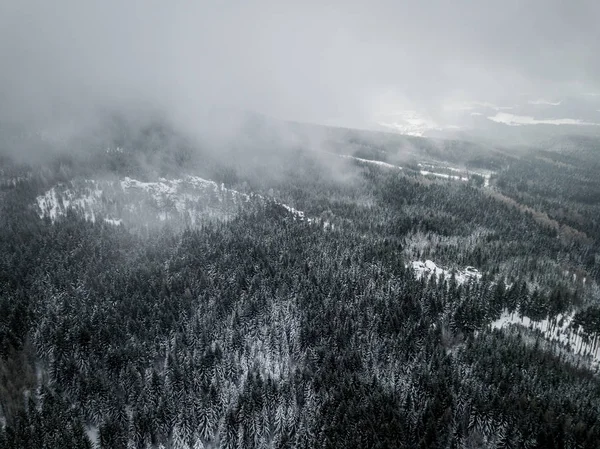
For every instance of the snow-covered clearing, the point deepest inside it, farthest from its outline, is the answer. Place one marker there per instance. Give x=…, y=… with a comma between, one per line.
x=429, y=169
x=556, y=330
x=129, y=200
x=370, y=161
x=444, y=175
x=462, y=174
x=429, y=268
x=54, y=203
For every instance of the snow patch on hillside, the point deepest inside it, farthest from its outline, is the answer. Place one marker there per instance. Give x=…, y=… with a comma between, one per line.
x=370, y=161
x=558, y=330
x=458, y=174
x=486, y=175
x=295, y=212
x=128, y=200
x=520, y=120
x=54, y=203
x=113, y=221
x=429, y=268
x=93, y=435
x=444, y=175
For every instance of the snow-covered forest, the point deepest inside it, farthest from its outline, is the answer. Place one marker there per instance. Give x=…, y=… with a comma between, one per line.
x=160, y=297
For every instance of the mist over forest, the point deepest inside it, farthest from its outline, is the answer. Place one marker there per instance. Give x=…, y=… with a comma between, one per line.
x=266, y=225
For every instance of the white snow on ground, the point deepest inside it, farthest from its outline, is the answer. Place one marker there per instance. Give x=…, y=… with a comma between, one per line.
x=520, y=120
x=179, y=191
x=486, y=174
x=462, y=173
x=297, y=213
x=92, y=434
x=370, y=161
x=192, y=197
x=433, y=167
x=53, y=206
x=113, y=221
x=556, y=330
x=444, y=175
x=430, y=268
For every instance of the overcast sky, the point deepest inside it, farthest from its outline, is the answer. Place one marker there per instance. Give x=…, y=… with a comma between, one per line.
x=338, y=62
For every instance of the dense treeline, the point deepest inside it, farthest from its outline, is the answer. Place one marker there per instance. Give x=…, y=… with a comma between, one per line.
x=265, y=331
x=562, y=181
x=270, y=331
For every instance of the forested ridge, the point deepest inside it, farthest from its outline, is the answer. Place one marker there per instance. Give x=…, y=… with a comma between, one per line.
x=266, y=330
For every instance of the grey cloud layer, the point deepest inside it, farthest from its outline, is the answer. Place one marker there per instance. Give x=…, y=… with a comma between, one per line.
x=341, y=63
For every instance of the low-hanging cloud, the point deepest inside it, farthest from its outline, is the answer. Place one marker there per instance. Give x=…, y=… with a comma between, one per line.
x=343, y=63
